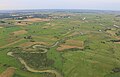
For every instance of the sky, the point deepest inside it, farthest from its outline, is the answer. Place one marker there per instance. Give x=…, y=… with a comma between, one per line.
x=60, y=4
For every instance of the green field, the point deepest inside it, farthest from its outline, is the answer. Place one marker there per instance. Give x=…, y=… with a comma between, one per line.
x=99, y=56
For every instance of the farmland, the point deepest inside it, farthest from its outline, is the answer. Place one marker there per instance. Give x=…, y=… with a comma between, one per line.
x=60, y=44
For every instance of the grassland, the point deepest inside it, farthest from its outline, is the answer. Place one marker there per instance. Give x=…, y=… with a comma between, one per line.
x=77, y=46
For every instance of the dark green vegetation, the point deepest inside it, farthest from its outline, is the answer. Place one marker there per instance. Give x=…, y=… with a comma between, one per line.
x=100, y=33
x=36, y=60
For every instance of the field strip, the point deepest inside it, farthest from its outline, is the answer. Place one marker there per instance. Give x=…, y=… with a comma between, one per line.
x=8, y=73
x=11, y=43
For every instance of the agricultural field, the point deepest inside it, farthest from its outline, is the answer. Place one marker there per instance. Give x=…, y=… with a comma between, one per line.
x=60, y=44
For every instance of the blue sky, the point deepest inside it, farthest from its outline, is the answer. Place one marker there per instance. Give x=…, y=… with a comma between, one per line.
x=60, y=4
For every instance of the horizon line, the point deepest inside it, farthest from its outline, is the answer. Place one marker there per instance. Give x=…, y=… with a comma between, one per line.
x=57, y=9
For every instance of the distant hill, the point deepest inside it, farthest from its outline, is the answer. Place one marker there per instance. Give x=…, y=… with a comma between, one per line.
x=59, y=10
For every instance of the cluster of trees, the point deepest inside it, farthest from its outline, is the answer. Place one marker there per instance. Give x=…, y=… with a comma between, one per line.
x=40, y=15
x=116, y=70
x=36, y=60
x=28, y=37
x=117, y=16
x=118, y=33
x=115, y=40
x=2, y=22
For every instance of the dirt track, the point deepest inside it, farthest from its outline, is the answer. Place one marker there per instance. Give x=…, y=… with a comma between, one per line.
x=37, y=71
x=11, y=43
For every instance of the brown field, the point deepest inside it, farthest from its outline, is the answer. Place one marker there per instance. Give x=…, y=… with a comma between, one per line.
x=117, y=42
x=8, y=73
x=35, y=19
x=29, y=21
x=22, y=23
x=28, y=44
x=20, y=32
x=69, y=44
x=75, y=43
x=64, y=47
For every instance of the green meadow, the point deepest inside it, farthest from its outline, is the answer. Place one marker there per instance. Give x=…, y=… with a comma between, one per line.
x=99, y=56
